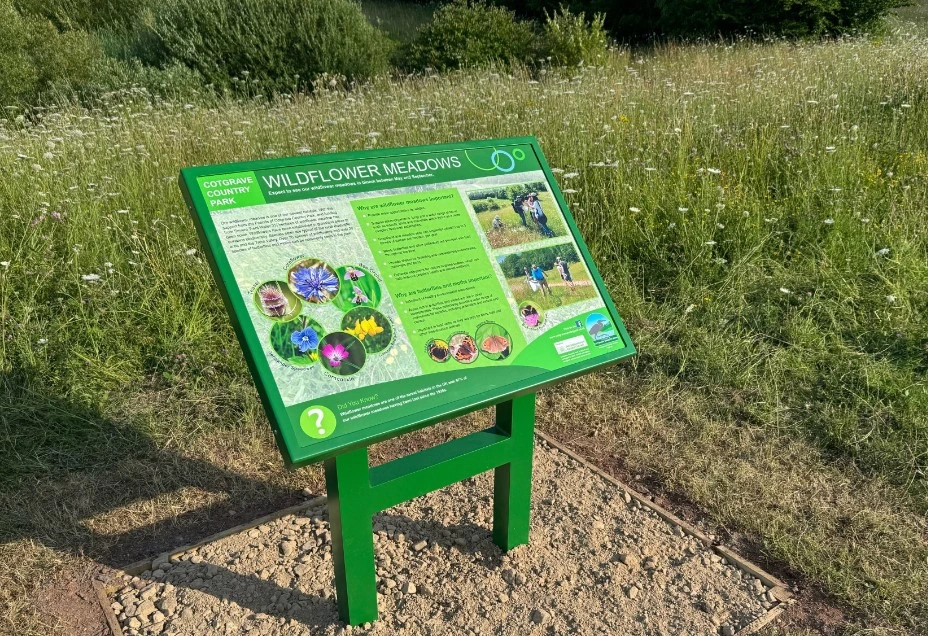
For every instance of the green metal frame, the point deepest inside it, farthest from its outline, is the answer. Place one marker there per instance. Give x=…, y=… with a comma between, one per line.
x=357, y=492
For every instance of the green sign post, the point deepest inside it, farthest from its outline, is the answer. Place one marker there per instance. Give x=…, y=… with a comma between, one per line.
x=378, y=292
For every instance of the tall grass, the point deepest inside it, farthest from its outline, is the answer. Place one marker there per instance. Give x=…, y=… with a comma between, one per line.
x=757, y=211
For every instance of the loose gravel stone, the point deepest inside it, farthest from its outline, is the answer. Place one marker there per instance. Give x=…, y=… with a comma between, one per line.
x=597, y=563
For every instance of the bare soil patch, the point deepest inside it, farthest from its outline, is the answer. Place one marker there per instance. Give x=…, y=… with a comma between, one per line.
x=598, y=562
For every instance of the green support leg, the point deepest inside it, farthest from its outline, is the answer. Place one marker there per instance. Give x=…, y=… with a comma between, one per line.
x=356, y=492
x=512, y=487
x=347, y=481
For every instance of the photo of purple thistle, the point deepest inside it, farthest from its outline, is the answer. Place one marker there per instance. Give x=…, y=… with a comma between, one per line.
x=273, y=301
x=315, y=283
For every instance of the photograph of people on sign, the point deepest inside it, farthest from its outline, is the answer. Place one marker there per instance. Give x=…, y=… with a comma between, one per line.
x=517, y=213
x=394, y=288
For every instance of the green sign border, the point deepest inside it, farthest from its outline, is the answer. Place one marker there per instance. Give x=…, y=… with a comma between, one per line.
x=295, y=455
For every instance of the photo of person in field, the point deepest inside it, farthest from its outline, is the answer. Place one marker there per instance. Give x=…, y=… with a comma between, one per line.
x=547, y=277
x=518, y=213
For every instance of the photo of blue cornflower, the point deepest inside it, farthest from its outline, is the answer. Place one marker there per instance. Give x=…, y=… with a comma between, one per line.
x=305, y=340
x=314, y=280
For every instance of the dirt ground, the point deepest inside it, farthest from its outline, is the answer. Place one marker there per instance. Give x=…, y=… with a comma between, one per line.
x=598, y=562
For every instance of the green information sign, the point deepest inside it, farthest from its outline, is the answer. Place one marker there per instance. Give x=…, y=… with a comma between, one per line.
x=377, y=292
x=381, y=291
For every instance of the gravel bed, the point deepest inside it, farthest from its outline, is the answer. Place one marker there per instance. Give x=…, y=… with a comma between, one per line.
x=598, y=563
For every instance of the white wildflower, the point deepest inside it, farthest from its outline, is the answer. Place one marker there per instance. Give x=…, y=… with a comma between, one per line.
x=90, y=278
x=714, y=171
x=883, y=252
x=785, y=291
x=571, y=175
x=634, y=209
x=829, y=221
x=191, y=252
x=891, y=298
x=683, y=210
x=42, y=341
x=711, y=243
x=570, y=191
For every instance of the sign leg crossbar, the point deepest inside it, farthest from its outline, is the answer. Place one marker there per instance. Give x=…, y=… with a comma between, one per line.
x=356, y=492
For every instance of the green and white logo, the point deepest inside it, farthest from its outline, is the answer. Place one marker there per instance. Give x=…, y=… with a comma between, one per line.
x=318, y=422
x=498, y=160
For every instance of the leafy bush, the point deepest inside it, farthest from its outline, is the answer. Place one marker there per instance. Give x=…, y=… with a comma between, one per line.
x=37, y=62
x=271, y=45
x=682, y=18
x=568, y=39
x=121, y=77
x=467, y=33
x=83, y=14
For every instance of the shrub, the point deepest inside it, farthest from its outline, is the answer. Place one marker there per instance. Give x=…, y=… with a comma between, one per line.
x=467, y=33
x=83, y=14
x=37, y=62
x=273, y=45
x=568, y=39
x=682, y=18
x=126, y=77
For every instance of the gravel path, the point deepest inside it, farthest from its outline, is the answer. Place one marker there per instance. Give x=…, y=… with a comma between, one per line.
x=598, y=563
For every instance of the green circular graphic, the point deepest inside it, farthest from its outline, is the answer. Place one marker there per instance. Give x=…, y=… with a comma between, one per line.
x=318, y=422
x=519, y=154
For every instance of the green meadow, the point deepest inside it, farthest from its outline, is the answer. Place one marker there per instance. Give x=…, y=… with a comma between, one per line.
x=757, y=211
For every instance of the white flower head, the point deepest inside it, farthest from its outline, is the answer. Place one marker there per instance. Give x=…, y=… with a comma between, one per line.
x=891, y=299
x=883, y=252
x=191, y=252
x=785, y=291
x=90, y=278
x=829, y=221
x=634, y=209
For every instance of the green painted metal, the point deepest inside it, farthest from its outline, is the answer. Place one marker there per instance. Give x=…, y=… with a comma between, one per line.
x=512, y=482
x=356, y=492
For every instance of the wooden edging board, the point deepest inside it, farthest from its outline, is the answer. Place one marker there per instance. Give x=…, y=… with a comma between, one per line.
x=779, y=589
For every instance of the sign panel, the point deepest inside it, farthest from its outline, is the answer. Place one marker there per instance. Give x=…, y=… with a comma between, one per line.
x=380, y=291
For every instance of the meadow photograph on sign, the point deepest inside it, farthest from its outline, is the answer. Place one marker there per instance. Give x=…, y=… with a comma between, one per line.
x=547, y=277
x=517, y=213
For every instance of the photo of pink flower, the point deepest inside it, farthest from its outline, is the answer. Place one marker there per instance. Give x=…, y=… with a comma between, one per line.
x=342, y=353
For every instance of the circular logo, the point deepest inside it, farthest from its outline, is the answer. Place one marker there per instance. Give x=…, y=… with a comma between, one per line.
x=318, y=422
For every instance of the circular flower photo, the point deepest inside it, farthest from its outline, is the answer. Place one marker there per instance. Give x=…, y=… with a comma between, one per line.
x=297, y=341
x=359, y=288
x=313, y=280
x=438, y=350
x=494, y=341
x=531, y=316
x=275, y=300
x=341, y=353
x=370, y=327
x=463, y=348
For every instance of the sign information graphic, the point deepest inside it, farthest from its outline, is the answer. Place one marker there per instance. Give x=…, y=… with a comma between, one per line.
x=374, y=292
